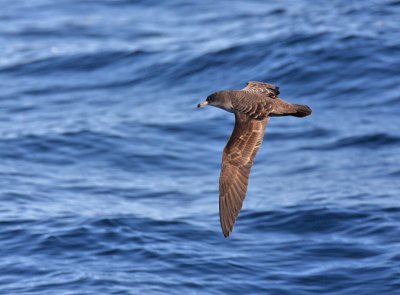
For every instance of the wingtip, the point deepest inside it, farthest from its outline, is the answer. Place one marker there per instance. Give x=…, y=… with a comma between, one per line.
x=272, y=87
x=226, y=232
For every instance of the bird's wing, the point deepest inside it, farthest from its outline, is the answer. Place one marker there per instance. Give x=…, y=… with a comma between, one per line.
x=237, y=160
x=269, y=90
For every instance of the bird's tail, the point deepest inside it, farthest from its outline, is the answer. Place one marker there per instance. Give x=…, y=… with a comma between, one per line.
x=283, y=108
x=300, y=110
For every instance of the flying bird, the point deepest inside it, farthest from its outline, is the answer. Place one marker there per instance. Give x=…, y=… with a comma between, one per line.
x=252, y=106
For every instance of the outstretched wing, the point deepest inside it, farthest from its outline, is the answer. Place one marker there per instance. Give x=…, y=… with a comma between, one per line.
x=237, y=160
x=269, y=90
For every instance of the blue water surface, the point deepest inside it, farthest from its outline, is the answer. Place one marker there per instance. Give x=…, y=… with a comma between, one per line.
x=109, y=174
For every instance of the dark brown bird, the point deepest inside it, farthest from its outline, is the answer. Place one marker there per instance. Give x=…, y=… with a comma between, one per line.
x=252, y=106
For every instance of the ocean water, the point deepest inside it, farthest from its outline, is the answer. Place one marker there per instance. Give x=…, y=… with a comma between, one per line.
x=109, y=173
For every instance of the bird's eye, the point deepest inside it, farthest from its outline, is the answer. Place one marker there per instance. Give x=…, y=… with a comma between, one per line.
x=209, y=98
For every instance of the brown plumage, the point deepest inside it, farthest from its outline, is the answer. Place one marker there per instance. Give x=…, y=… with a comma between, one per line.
x=252, y=107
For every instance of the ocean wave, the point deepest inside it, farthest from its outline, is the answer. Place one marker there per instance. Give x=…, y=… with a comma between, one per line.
x=365, y=141
x=76, y=62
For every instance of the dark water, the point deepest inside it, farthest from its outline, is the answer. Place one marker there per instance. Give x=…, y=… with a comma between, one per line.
x=109, y=175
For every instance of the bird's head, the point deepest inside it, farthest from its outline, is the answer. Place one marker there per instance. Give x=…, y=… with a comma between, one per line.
x=220, y=99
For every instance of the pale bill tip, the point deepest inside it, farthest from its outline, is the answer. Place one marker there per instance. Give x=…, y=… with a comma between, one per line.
x=204, y=103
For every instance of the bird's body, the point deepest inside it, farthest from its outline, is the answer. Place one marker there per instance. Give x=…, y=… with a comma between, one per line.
x=252, y=107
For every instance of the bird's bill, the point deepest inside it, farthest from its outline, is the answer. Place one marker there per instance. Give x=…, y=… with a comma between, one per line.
x=203, y=104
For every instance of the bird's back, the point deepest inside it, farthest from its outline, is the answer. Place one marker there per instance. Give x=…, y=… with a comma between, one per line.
x=255, y=105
